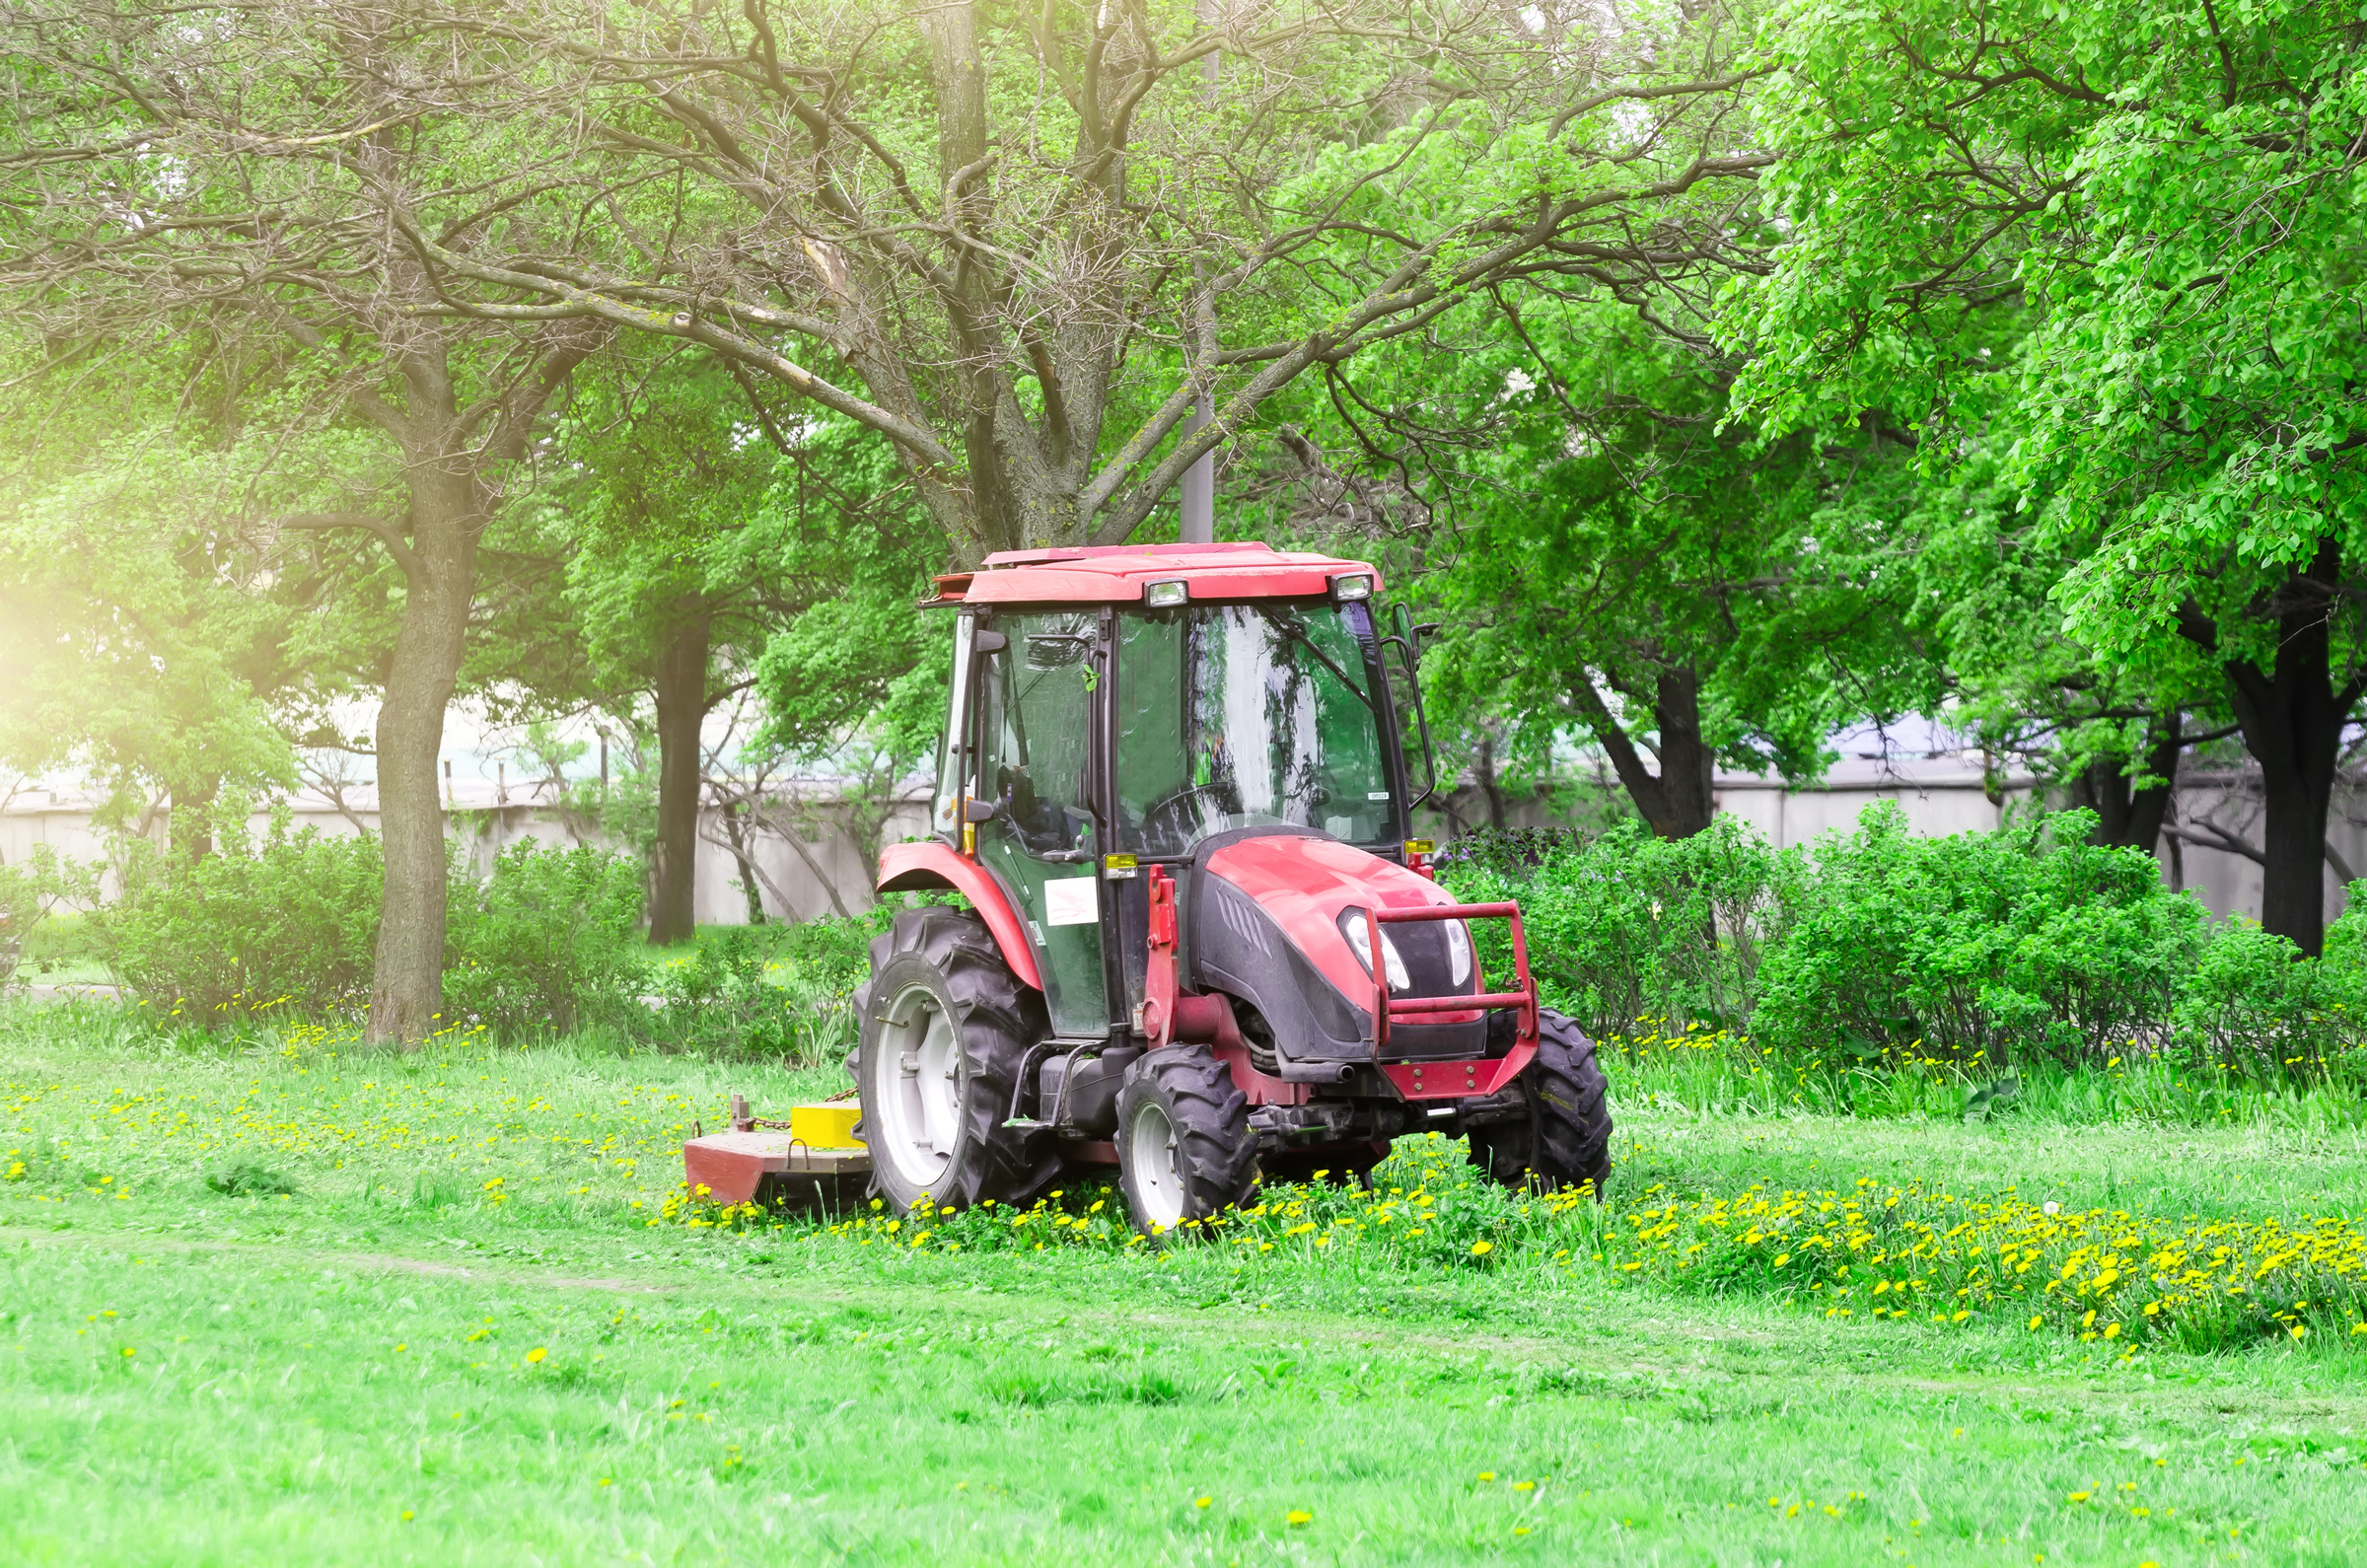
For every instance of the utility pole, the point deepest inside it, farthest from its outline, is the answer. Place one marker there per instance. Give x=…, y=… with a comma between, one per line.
x=1199, y=481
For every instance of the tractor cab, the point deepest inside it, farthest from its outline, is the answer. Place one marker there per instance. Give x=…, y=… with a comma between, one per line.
x=1176, y=789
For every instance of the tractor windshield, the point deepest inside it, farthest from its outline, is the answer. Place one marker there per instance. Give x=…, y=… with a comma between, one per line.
x=1248, y=716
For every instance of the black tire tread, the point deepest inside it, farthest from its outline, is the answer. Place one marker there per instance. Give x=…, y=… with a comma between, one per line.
x=997, y=1017
x=1566, y=1139
x=1211, y=1115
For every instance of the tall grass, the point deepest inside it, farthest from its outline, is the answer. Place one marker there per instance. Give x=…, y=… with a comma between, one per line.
x=1701, y=1070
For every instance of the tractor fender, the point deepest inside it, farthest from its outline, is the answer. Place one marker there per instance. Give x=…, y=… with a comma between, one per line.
x=906, y=868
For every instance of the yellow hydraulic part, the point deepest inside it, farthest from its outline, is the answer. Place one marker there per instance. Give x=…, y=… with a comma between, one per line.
x=830, y=1125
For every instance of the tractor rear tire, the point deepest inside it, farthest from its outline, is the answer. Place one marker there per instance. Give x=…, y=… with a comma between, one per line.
x=946, y=1029
x=1565, y=1140
x=1185, y=1151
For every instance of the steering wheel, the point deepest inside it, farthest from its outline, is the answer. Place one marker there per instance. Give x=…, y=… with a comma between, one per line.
x=1166, y=817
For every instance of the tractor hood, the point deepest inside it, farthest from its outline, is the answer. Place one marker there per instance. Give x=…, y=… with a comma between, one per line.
x=1265, y=917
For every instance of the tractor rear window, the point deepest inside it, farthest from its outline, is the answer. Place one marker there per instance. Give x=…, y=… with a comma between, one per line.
x=1248, y=716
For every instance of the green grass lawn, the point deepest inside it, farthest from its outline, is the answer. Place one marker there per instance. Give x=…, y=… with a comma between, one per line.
x=460, y=1339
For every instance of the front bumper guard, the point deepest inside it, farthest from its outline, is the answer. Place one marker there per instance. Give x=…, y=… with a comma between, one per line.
x=1453, y=1080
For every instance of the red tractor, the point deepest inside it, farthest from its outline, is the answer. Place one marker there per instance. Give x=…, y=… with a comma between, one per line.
x=1201, y=945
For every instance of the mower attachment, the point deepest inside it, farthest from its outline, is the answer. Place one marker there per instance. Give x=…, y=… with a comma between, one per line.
x=1454, y=1080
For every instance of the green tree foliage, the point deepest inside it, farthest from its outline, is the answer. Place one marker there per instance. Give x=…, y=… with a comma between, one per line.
x=156, y=637
x=2171, y=198
x=1615, y=557
x=1022, y=244
x=259, y=182
x=711, y=547
x=2110, y=733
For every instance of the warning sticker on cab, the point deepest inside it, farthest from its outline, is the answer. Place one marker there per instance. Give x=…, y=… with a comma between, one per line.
x=1072, y=901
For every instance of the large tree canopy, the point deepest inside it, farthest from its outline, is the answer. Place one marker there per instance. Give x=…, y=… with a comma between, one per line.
x=2171, y=194
x=1022, y=244
x=253, y=176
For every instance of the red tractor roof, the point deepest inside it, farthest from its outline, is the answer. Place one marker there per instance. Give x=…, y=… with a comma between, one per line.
x=1116, y=574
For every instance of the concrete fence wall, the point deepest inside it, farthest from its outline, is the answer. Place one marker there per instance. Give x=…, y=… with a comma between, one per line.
x=807, y=861
x=804, y=852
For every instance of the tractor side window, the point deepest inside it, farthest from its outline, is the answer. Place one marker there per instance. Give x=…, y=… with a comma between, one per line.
x=1152, y=764
x=1036, y=721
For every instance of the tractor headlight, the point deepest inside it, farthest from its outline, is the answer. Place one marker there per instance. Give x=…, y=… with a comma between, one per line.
x=1459, y=952
x=1351, y=586
x=1167, y=595
x=1360, y=940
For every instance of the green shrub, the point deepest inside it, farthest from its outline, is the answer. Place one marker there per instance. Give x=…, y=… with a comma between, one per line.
x=1628, y=926
x=29, y=892
x=784, y=991
x=550, y=941
x=1975, y=945
x=829, y=958
x=2255, y=1004
x=289, y=923
x=1982, y=948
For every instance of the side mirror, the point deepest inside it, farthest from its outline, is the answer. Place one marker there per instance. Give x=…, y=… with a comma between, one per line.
x=974, y=809
x=983, y=641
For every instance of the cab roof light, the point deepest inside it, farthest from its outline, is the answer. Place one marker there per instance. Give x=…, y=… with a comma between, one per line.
x=1349, y=586
x=1166, y=595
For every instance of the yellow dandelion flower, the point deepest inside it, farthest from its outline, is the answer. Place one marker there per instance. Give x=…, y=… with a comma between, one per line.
x=536, y=1355
x=1296, y=1517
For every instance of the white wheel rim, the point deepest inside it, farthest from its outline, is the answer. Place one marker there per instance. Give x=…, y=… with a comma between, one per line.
x=921, y=1094
x=1151, y=1157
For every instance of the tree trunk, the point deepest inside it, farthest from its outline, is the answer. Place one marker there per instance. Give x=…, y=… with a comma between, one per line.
x=2292, y=727
x=736, y=829
x=1484, y=770
x=190, y=828
x=1678, y=801
x=2124, y=816
x=2292, y=723
x=682, y=694
x=406, y=993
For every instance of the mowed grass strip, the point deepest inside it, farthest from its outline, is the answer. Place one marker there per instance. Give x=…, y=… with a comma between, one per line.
x=283, y=1407
x=307, y=1369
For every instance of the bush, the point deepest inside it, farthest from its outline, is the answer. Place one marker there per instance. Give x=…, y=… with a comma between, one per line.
x=1983, y=948
x=774, y=991
x=1971, y=946
x=829, y=958
x=1628, y=926
x=289, y=923
x=550, y=941
x=30, y=892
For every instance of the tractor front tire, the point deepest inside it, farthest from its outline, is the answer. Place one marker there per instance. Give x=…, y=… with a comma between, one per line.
x=1185, y=1151
x=1565, y=1139
x=946, y=1029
